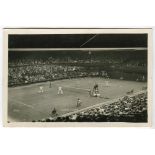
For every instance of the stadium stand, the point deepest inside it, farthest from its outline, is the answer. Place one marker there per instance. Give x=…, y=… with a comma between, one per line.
x=127, y=109
x=39, y=68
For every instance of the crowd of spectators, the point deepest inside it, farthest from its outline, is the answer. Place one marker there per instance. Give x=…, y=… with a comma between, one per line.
x=27, y=61
x=31, y=70
x=39, y=73
x=104, y=60
x=127, y=109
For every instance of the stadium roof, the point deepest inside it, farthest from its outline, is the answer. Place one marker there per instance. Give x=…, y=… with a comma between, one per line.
x=77, y=41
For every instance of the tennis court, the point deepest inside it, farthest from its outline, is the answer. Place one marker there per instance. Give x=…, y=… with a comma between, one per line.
x=25, y=104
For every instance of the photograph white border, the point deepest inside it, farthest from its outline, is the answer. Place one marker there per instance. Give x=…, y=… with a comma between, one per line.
x=76, y=31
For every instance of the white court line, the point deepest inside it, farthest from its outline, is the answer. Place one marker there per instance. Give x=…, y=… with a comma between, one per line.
x=110, y=84
x=76, y=88
x=28, y=86
x=100, y=104
x=29, y=106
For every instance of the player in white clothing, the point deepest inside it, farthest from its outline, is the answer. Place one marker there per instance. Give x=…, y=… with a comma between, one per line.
x=60, y=91
x=41, y=90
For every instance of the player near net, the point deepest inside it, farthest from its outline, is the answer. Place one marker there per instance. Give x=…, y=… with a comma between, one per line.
x=95, y=91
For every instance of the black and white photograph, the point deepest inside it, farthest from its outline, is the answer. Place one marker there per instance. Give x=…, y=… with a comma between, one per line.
x=77, y=77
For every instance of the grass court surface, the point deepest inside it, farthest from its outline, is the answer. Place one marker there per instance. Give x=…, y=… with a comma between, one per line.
x=26, y=104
